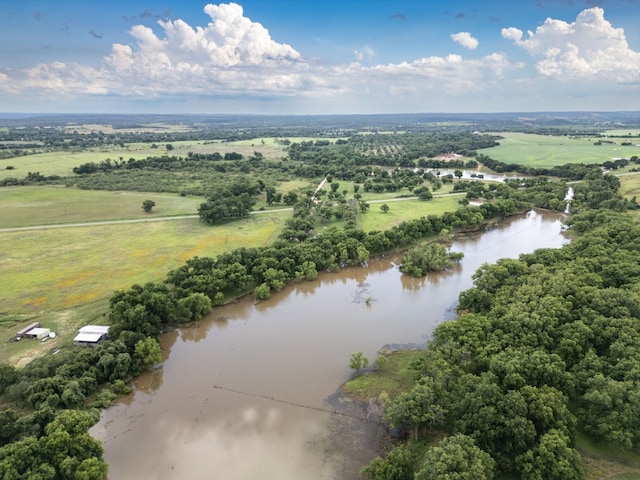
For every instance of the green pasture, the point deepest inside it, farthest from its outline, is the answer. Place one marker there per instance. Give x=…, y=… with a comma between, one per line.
x=56, y=269
x=630, y=184
x=400, y=211
x=60, y=162
x=64, y=323
x=368, y=196
x=25, y=206
x=548, y=151
x=634, y=132
x=601, y=460
x=630, y=187
x=270, y=147
x=296, y=185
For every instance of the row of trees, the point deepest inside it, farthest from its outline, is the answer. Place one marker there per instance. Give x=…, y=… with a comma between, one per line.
x=543, y=344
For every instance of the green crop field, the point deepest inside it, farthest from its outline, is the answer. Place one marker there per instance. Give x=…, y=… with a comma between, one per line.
x=25, y=206
x=547, y=151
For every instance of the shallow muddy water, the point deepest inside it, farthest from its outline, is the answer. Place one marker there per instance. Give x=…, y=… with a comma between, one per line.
x=244, y=394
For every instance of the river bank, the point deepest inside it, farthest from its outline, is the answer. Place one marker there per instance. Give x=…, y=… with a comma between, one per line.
x=249, y=388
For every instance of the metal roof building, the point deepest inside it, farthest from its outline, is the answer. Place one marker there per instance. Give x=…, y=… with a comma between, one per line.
x=91, y=335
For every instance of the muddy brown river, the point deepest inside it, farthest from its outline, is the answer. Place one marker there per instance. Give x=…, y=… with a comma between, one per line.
x=250, y=391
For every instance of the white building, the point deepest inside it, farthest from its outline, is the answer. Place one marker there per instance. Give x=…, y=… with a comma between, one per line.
x=91, y=335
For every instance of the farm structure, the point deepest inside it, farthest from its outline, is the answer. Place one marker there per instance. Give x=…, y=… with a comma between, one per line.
x=91, y=335
x=25, y=330
x=38, y=333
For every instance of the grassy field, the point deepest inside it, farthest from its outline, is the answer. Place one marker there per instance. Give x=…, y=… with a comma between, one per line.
x=62, y=163
x=601, y=461
x=24, y=206
x=56, y=269
x=621, y=132
x=400, y=211
x=56, y=274
x=392, y=375
x=630, y=184
x=547, y=151
x=630, y=187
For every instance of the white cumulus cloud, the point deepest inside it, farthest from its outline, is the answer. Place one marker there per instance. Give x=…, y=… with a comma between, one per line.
x=588, y=48
x=465, y=39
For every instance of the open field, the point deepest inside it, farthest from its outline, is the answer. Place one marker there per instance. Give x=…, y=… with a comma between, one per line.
x=630, y=184
x=25, y=206
x=65, y=323
x=624, y=132
x=62, y=162
x=629, y=188
x=602, y=461
x=400, y=211
x=57, y=269
x=547, y=151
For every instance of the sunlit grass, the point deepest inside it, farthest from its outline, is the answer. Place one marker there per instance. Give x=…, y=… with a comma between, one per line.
x=630, y=185
x=24, y=206
x=400, y=211
x=391, y=376
x=547, y=151
x=56, y=269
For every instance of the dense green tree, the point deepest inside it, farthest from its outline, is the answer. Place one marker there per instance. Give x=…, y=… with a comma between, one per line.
x=552, y=459
x=418, y=408
x=262, y=291
x=9, y=427
x=429, y=257
x=195, y=306
x=148, y=352
x=148, y=205
x=8, y=376
x=397, y=465
x=456, y=458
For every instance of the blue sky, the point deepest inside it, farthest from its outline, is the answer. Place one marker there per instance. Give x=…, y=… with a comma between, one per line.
x=321, y=57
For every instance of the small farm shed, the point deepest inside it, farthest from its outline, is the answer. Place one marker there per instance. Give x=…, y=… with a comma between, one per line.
x=91, y=335
x=38, y=332
x=26, y=329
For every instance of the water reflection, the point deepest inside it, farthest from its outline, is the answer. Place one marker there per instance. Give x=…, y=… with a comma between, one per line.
x=243, y=392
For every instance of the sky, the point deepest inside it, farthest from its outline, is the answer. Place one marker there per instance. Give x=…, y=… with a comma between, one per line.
x=319, y=57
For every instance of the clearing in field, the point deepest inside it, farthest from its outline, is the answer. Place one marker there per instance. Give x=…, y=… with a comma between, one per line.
x=548, y=151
